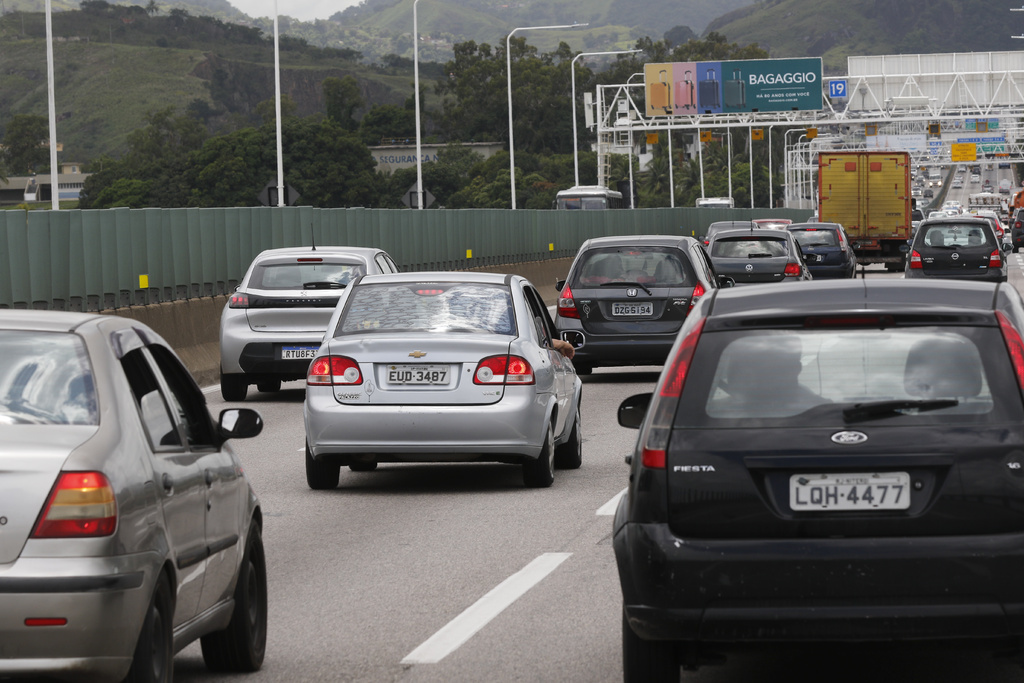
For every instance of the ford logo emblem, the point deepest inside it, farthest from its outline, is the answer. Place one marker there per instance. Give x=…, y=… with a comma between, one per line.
x=849, y=437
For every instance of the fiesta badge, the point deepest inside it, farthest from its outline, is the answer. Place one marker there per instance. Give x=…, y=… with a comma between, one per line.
x=845, y=438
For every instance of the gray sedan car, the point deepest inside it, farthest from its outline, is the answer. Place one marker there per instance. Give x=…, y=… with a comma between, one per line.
x=275, y=320
x=127, y=528
x=441, y=367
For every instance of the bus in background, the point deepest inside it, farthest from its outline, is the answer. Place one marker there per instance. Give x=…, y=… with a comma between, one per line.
x=588, y=197
x=716, y=203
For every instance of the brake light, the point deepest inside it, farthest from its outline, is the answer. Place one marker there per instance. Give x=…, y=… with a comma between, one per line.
x=698, y=292
x=239, y=300
x=792, y=269
x=503, y=370
x=1014, y=344
x=995, y=259
x=915, y=260
x=842, y=241
x=664, y=403
x=567, y=305
x=333, y=371
x=81, y=505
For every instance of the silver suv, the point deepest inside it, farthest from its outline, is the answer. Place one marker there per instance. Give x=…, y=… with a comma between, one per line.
x=274, y=322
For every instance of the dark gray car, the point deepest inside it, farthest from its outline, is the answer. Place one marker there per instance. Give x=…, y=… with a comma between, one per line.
x=754, y=255
x=958, y=247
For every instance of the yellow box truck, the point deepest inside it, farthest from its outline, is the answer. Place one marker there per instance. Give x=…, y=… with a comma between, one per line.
x=868, y=193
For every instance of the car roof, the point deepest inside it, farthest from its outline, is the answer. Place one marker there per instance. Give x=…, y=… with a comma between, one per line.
x=44, y=321
x=637, y=240
x=815, y=226
x=439, y=276
x=958, y=219
x=823, y=296
x=721, y=225
x=756, y=232
x=319, y=250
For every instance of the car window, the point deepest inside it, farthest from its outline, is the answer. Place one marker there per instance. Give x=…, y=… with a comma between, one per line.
x=186, y=399
x=956, y=235
x=156, y=416
x=749, y=246
x=297, y=275
x=434, y=307
x=541, y=319
x=46, y=378
x=699, y=260
x=656, y=267
x=812, y=237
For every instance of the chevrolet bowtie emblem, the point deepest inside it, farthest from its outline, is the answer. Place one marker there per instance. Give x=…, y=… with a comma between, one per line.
x=417, y=354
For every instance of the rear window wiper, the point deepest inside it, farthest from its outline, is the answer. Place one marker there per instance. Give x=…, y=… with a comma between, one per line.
x=627, y=284
x=868, y=411
x=324, y=284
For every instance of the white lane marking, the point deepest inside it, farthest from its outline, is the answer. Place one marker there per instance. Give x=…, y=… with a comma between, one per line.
x=479, y=614
x=210, y=390
x=609, y=507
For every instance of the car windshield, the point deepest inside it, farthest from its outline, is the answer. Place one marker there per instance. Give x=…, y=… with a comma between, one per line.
x=749, y=246
x=434, y=307
x=955, y=235
x=646, y=266
x=305, y=275
x=846, y=375
x=46, y=379
x=812, y=237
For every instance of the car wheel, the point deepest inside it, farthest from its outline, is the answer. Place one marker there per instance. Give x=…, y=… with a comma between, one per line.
x=647, y=661
x=153, y=661
x=539, y=473
x=569, y=456
x=583, y=368
x=269, y=386
x=233, y=387
x=241, y=646
x=363, y=466
x=321, y=475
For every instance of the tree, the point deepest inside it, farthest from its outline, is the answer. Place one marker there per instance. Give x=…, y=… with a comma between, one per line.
x=152, y=8
x=341, y=100
x=24, y=144
x=387, y=121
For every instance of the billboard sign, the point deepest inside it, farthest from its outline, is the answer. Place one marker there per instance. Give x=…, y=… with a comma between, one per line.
x=752, y=85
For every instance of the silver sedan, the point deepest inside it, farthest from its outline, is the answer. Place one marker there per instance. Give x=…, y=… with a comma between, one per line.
x=441, y=367
x=127, y=528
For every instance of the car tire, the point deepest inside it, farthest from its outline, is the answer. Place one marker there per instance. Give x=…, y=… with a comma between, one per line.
x=540, y=473
x=583, y=368
x=363, y=466
x=153, y=661
x=569, y=456
x=647, y=661
x=269, y=386
x=233, y=387
x=321, y=475
x=241, y=646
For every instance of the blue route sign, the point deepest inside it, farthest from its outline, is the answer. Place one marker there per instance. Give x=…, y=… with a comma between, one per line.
x=837, y=88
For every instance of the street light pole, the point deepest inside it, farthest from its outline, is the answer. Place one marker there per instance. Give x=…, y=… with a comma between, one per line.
x=54, y=171
x=277, y=111
x=575, y=139
x=416, y=85
x=508, y=70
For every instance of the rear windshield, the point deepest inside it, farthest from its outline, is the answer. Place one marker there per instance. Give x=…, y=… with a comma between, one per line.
x=816, y=238
x=434, y=307
x=933, y=374
x=649, y=266
x=305, y=275
x=46, y=379
x=749, y=246
x=957, y=235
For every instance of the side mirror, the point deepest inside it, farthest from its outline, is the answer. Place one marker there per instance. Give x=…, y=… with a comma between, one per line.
x=633, y=409
x=1007, y=247
x=240, y=423
x=559, y=285
x=905, y=247
x=577, y=339
x=726, y=281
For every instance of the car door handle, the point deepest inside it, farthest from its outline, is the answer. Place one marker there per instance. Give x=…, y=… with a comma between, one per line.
x=168, y=482
x=208, y=475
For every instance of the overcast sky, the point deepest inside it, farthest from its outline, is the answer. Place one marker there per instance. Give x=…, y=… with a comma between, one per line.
x=306, y=10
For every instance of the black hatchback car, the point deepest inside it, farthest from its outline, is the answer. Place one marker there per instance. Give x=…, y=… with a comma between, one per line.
x=752, y=256
x=827, y=250
x=1017, y=230
x=626, y=297
x=959, y=247
x=840, y=461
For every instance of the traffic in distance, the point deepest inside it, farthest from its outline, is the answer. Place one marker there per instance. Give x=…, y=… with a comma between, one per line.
x=445, y=482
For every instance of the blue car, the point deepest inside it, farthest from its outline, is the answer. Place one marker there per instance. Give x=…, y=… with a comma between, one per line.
x=826, y=248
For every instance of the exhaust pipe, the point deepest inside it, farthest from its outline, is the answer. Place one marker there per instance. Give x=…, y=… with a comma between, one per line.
x=577, y=339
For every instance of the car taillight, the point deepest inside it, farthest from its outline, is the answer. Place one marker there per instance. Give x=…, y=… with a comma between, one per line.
x=791, y=269
x=698, y=292
x=567, y=305
x=1014, y=344
x=995, y=259
x=239, y=300
x=842, y=242
x=333, y=371
x=663, y=408
x=503, y=370
x=915, y=260
x=81, y=505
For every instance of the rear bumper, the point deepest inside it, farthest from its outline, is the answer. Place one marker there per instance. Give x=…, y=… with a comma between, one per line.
x=820, y=589
x=978, y=275
x=619, y=350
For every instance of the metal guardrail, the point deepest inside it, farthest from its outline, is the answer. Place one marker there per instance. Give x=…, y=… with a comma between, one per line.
x=106, y=259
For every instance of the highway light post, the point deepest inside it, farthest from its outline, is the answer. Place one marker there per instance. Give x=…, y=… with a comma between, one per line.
x=54, y=171
x=508, y=69
x=416, y=85
x=575, y=139
x=277, y=111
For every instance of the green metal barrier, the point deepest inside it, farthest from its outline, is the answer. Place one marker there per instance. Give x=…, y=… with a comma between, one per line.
x=112, y=258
